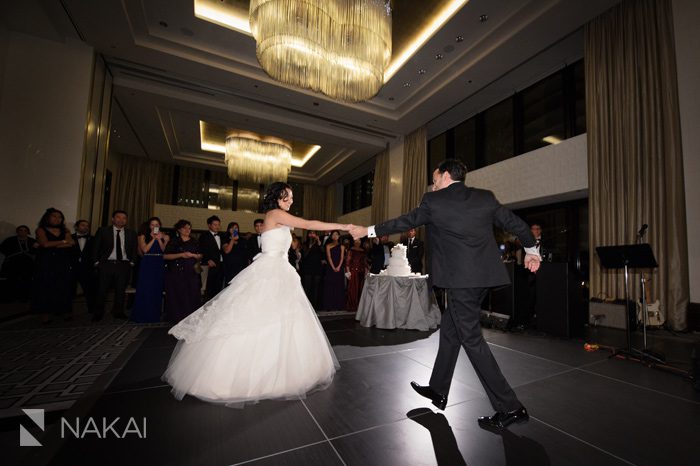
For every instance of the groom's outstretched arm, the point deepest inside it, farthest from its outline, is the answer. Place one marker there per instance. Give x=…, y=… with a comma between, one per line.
x=413, y=219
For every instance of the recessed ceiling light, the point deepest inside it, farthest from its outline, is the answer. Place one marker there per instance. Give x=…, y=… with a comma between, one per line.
x=316, y=104
x=438, y=56
x=406, y=84
x=459, y=38
x=469, y=82
x=483, y=18
x=391, y=98
x=421, y=71
x=163, y=24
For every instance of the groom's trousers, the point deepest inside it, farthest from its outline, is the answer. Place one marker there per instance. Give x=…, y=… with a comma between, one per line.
x=460, y=327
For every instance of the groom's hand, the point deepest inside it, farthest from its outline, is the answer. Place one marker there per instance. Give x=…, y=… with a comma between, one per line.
x=532, y=262
x=358, y=232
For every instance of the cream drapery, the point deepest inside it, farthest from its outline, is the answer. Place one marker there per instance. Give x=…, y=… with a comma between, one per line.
x=331, y=215
x=314, y=202
x=635, y=169
x=415, y=161
x=380, y=187
x=135, y=189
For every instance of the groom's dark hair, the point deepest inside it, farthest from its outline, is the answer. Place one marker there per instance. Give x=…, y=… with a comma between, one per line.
x=455, y=168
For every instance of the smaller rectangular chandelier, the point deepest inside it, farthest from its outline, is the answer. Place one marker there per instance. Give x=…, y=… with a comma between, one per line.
x=260, y=159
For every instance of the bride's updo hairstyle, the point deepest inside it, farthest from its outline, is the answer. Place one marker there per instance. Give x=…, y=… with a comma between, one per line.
x=275, y=192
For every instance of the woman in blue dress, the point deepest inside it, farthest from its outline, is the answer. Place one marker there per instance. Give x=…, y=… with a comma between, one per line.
x=149, y=289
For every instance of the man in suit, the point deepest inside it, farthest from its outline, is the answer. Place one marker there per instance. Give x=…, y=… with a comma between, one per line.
x=255, y=241
x=466, y=262
x=113, y=254
x=83, y=268
x=414, y=251
x=210, y=247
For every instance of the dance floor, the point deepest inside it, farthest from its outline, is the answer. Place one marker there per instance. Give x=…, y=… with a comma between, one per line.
x=586, y=409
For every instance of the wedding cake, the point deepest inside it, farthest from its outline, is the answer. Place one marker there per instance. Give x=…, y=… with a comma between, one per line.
x=398, y=263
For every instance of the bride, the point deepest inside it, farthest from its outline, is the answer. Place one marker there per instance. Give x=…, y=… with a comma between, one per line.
x=259, y=338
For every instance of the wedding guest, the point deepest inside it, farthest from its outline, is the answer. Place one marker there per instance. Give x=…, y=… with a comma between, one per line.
x=234, y=252
x=334, y=279
x=414, y=251
x=255, y=241
x=212, y=259
x=312, y=268
x=53, y=280
x=182, y=282
x=18, y=267
x=113, y=254
x=355, y=270
x=83, y=269
x=294, y=254
x=149, y=289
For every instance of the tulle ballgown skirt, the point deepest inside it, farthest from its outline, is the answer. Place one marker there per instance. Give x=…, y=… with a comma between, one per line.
x=257, y=339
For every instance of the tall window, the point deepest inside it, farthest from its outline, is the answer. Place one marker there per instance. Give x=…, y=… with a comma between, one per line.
x=545, y=113
x=358, y=193
x=498, y=132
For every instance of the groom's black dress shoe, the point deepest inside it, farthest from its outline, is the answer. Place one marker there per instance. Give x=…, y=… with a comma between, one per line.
x=438, y=400
x=500, y=420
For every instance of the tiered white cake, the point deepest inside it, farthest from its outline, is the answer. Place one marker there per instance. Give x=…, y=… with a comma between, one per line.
x=398, y=263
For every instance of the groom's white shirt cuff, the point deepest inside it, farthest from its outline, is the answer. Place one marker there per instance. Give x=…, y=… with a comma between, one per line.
x=533, y=250
x=370, y=232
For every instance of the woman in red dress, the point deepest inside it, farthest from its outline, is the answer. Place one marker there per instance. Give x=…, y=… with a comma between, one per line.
x=355, y=270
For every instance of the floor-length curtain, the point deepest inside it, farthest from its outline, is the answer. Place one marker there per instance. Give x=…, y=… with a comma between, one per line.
x=135, y=189
x=314, y=202
x=331, y=214
x=634, y=155
x=380, y=188
x=415, y=162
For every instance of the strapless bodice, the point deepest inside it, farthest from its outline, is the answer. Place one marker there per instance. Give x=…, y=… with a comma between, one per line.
x=276, y=242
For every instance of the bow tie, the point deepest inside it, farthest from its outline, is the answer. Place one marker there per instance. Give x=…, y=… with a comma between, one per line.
x=81, y=236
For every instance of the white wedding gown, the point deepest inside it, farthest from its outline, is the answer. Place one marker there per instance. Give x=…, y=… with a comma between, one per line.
x=257, y=339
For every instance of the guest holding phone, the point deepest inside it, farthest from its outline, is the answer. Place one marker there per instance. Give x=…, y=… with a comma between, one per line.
x=149, y=289
x=234, y=251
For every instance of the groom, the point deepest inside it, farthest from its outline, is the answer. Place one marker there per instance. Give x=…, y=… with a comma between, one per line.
x=466, y=262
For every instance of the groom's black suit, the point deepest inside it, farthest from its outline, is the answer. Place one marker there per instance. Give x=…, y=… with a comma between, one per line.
x=466, y=261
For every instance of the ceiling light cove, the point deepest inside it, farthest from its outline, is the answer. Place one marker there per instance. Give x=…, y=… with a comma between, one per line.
x=213, y=139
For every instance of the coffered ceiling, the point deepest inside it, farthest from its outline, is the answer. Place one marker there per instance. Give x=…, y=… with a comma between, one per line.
x=172, y=70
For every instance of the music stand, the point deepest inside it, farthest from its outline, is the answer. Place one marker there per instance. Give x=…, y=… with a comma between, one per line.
x=627, y=256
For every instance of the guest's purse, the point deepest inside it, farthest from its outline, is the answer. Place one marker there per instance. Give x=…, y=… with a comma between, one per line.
x=197, y=267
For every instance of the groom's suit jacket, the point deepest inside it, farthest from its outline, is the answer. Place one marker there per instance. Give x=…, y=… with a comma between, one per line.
x=459, y=221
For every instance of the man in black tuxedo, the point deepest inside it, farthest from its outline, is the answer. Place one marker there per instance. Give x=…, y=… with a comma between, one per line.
x=210, y=247
x=465, y=262
x=83, y=268
x=113, y=254
x=414, y=251
x=255, y=241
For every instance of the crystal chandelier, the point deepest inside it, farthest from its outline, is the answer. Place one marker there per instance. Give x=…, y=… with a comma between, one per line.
x=338, y=47
x=260, y=159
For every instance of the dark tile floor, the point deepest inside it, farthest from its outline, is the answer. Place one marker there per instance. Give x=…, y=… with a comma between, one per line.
x=586, y=409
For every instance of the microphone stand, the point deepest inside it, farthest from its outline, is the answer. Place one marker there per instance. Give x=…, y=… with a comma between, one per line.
x=646, y=353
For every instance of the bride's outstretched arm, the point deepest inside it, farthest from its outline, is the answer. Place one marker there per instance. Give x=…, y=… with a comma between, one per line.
x=284, y=218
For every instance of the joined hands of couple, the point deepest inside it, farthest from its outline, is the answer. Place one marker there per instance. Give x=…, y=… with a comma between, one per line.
x=531, y=261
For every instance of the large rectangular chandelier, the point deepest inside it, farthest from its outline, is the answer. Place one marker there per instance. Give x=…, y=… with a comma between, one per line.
x=256, y=158
x=338, y=47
